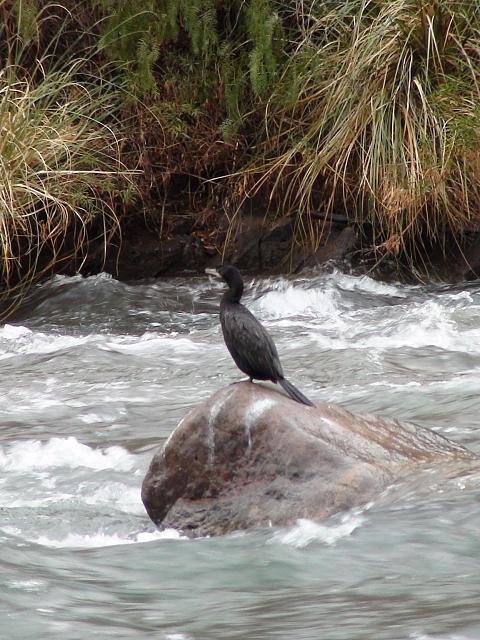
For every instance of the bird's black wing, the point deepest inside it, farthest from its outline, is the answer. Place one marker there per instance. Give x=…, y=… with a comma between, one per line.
x=249, y=343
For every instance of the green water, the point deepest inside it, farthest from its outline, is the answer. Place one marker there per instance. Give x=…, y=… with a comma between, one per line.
x=96, y=374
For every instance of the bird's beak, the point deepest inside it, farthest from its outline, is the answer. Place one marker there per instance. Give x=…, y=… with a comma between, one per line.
x=213, y=272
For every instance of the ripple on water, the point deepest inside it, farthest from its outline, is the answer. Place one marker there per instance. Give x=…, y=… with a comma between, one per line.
x=306, y=532
x=62, y=452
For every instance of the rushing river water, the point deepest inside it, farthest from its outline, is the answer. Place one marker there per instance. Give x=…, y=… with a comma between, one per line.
x=95, y=374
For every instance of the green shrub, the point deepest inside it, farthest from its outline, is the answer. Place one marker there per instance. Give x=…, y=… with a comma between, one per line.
x=241, y=42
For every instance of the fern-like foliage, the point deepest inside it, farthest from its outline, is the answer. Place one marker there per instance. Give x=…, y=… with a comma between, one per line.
x=263, y=28
x=239, y=40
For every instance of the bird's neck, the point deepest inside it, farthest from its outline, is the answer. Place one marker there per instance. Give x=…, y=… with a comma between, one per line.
x=232, y=296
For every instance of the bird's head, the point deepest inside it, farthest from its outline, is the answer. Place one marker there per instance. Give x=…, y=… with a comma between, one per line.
x=232, y=277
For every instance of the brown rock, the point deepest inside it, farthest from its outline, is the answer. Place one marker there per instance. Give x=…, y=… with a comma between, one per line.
x=251, y=456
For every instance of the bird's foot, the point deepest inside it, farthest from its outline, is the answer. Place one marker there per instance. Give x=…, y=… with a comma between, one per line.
x=243, y=380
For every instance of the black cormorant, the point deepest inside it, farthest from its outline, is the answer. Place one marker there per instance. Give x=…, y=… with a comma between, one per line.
x=251, y=347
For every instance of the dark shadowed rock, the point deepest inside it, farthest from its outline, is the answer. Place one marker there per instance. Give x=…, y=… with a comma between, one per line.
x=257, y=246
x=250, y=456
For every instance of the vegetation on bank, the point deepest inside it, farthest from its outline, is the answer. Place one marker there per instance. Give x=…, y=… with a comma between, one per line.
x=365, y=107
x=60, y=169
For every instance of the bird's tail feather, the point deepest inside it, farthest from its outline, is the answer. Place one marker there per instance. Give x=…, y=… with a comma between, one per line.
x=294, y=393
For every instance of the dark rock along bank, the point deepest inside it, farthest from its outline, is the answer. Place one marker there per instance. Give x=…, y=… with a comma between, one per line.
x=250, y=456
x=254, y=247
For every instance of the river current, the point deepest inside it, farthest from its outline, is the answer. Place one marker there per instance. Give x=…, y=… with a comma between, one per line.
x=95, y=374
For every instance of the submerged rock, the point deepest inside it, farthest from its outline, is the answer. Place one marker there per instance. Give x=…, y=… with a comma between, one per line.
x=250, y=456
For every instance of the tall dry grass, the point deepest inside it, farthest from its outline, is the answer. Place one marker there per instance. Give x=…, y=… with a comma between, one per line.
x=60, y=167
x=378, y=108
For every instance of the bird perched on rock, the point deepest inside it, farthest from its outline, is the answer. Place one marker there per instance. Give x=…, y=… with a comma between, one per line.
x=251, y=347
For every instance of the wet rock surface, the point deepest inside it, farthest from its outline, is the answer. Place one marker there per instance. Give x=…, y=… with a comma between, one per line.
x=253, y=245
x=249, y=456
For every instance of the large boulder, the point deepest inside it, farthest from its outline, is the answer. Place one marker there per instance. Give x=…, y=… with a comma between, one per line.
x=251, y=456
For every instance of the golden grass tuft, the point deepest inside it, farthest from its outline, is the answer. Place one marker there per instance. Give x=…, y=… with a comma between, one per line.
x=385, y=113
x=60, y=168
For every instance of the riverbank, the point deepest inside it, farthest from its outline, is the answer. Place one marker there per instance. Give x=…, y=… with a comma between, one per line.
x=160, y=138
x=259, y=247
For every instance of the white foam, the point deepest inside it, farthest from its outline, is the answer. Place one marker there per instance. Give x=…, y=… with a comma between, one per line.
x=21, y=340
x=91, y=418
x=365, y=284
x=294, y=301
x=60, y=280
x=150, y=343
x=425, y=636
x=27, y=585
x=440, y=322
x=101, y=539
x=10, y=501
x=13, y=332
x=304, y=532
x=324, y=300
x=62, y=452
x=117, y=495
x=428, y=324
x=165, y=534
